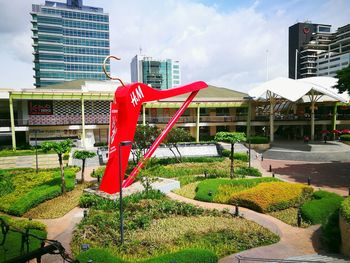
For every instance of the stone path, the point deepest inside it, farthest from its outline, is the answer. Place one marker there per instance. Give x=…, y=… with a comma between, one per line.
x=294, y=241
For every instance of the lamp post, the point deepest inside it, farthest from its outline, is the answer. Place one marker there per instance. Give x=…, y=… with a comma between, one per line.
x=249, y=98
x=36, y=152
x=121, y=218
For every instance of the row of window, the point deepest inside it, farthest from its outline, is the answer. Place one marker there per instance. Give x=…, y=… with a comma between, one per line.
x=70, y=67
x=76, y=15
x=86, y=50
x=70, y=58
x=86, y=34
x=85, y=25
x=70, y=75
x=72, y=32
x=73, y=41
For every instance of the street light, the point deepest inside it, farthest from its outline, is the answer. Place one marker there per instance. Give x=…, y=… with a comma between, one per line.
x=36, y=152
x=121, y=144
x=249, y=98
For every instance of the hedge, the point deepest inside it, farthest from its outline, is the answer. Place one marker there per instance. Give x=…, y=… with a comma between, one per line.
x=207, y=190
x=274, y=196
x=183, y=256
x=345, y=137
x=318, y=210
x=30, y=189
x=345, y=209
x=258, y=140
x=236, y=156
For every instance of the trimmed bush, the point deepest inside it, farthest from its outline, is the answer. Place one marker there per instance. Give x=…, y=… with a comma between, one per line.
x=345, y=137
x=31, y=189
x=345, y=209
x=183, y=256
x=246, y=171
x=186, y=256
x=236, y=156
x=274, y=196
x=208, y=190
x=318, y=210
x=259, y=140
x=98, y=172
x=98, y=255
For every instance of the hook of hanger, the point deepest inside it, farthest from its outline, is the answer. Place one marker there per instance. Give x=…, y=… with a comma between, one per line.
x=105, y=71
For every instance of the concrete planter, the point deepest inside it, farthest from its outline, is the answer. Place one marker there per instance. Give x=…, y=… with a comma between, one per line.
x=259, y=147
x=345, y=236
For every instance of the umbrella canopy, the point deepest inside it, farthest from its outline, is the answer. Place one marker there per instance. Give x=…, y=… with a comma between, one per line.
x=345, y=131
x=335, y=131
x=324, y=131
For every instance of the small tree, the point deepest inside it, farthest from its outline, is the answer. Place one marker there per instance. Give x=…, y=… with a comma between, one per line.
x=343, y=77
x=175, y=136
x=232, y=138
x=60, y=148
x=83, y=155
x=145, y=135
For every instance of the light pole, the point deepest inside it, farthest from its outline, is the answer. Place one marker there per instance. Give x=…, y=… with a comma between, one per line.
x=121, y=218
x=36, y=152
x=249, y=98
x=296, y=64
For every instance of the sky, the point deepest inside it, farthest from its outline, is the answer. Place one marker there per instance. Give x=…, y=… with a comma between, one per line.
x=235, y=44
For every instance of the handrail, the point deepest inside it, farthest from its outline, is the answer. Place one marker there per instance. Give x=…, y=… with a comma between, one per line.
x=242, y=259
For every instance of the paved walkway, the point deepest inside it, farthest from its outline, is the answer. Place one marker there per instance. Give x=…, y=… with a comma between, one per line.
x=294, y=241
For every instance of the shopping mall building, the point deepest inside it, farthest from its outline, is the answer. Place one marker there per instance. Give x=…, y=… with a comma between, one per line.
x=80, y=110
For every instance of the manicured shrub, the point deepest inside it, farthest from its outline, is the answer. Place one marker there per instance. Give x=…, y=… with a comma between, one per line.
x=267, y=197
x=345, y=137
x=259, y=140
x=330, y=237
x=246, y=171
x=208, y=190
x=98, y=255
x=183, y=256
x=345, y=209
x=236, y=156
x=31, y=189
x=318, y=210
x=186, y=256
x=98, y=172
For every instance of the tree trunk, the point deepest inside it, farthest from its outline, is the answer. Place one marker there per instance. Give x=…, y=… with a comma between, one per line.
x=82, y=171
x=63, y=182
x=177, y=149
x=232, y=162
x=171, y=149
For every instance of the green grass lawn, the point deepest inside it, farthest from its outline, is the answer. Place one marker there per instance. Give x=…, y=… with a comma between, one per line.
x=23, y=189
x=8, y=153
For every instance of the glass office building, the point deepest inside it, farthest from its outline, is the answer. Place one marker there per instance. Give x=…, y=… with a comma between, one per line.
x=70, y=42
x=160, y=74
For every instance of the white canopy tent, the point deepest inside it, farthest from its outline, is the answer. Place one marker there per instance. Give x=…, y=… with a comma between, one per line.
x=311, y=90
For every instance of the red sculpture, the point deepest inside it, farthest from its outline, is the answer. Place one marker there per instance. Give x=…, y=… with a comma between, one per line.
x=124, y=114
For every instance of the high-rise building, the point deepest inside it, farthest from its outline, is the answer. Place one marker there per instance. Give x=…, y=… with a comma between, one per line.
x=160, y=74
x=306, y=40
x=337, y=55
x=70, y=42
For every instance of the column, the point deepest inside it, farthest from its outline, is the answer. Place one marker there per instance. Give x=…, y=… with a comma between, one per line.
x=197, y=123
x=82, y=122
x=272, y=106
x=144, y=114
x=312, y=119
x=334, y=116
x=12, y=118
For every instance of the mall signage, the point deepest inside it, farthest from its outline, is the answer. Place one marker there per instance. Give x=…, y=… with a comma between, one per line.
x=40, y=107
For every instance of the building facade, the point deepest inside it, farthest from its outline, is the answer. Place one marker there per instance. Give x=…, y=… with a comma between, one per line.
x=306, y=40
x=70, y=42
x=314, y=50
x=337, y=55
x=160, y=74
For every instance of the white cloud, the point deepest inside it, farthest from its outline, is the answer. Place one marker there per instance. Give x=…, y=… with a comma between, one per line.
x=224, y=48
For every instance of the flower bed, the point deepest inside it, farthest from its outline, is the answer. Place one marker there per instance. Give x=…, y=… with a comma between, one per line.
x=267, y=197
